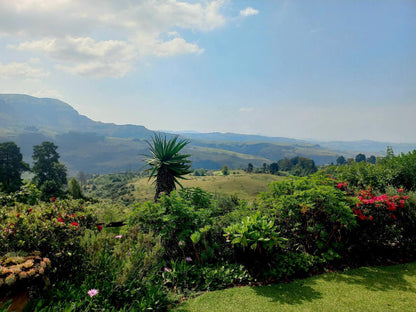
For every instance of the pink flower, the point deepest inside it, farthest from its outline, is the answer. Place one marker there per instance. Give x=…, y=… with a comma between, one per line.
x=92, y=292
x=166, y=269
x=119, y=236
x=189, y=259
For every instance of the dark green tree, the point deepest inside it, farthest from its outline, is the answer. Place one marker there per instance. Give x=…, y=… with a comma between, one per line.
x=285, y=164
x=224, y=170
x=360, y=157
x=166, y=164
x=74, y=188
x=372, y=159
x=50, y=174
x=341, y=160
x=274, y=168
x=11, y=167
x=250, y=168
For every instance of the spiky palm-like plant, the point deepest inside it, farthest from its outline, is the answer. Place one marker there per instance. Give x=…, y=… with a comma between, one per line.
x=166, y=164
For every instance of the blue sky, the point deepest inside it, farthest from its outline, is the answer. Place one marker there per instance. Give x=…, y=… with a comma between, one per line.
x=327, y=70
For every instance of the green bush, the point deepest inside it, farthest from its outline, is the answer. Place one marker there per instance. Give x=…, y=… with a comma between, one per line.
x=52, y=229
x=175, y=218
x=125, y=269
x=300, y=225
x=311, y=212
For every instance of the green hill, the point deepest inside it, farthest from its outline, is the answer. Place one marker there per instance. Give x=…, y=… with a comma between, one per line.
x=97, y=147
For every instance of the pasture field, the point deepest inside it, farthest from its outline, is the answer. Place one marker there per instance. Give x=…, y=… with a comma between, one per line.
x=244, y=185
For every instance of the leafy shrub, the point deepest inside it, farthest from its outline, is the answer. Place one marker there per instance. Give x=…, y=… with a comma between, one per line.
x=311, y=212
x=174, y=218
x=301, y=226
x=52, y=229
x=126, y=271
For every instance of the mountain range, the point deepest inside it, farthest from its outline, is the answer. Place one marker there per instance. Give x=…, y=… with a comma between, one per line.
x=96, y=147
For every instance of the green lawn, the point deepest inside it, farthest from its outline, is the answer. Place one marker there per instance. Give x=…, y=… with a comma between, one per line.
x=390, y=288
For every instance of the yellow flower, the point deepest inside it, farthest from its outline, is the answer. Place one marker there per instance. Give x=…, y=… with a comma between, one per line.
x=304, y=208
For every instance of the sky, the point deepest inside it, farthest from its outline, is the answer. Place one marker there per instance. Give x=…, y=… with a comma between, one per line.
x=323, y=70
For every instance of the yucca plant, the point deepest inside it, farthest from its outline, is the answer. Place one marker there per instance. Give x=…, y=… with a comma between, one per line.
x=166, y=164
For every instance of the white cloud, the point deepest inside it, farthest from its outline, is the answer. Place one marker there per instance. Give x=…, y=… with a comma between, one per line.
x=249, y=11
x=86, y=57
x=246, y=109
x=176, y=46
x=106, y=37
x=21, y=70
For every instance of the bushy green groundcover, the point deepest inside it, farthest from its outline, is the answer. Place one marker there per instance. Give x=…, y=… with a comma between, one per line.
x=193, y=241
x=389, y=288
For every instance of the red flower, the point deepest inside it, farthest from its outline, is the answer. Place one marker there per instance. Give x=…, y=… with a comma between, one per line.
x=99, y=227
x=362, y=217
x=340, y=185
x=74, y=224
x=29, y=210
x=60, y=220
x=393, y=216
x=18, y=215
x=391, y=206
x=53, y=199
x=400, y=190
x=371, y=218
x=72, y=215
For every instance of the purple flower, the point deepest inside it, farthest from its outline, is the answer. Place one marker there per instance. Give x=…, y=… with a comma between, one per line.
x=92, y=292
x=189, y=259
x=166, y=269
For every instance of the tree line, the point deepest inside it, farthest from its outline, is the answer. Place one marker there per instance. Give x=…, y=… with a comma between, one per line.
x=297, y=166
x=50, y=176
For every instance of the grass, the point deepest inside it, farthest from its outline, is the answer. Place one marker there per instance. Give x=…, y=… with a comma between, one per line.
x=391, y=288
x=245, y=186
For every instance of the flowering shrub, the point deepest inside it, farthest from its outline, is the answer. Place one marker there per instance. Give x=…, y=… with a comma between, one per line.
x=382, y=221
x=52, y=229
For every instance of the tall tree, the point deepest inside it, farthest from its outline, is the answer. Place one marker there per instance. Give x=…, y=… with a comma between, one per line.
x=360, y=157
x=11, y=167
x=250, y=168
x=274, y=168
x=74, y=188
x=372, y=159
x=341, y=160
x=50, y=174
x=166, y=164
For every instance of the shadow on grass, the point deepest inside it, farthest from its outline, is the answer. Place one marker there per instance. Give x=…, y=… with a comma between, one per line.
x=296, y=292
x=378, y=278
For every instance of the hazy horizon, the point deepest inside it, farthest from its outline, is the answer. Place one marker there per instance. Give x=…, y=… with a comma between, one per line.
x=316, y=70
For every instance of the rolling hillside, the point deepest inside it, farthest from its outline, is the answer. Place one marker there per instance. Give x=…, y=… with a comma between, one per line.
x=97, y=147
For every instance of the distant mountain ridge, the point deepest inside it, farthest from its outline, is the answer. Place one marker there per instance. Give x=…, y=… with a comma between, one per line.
x=97, y=147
